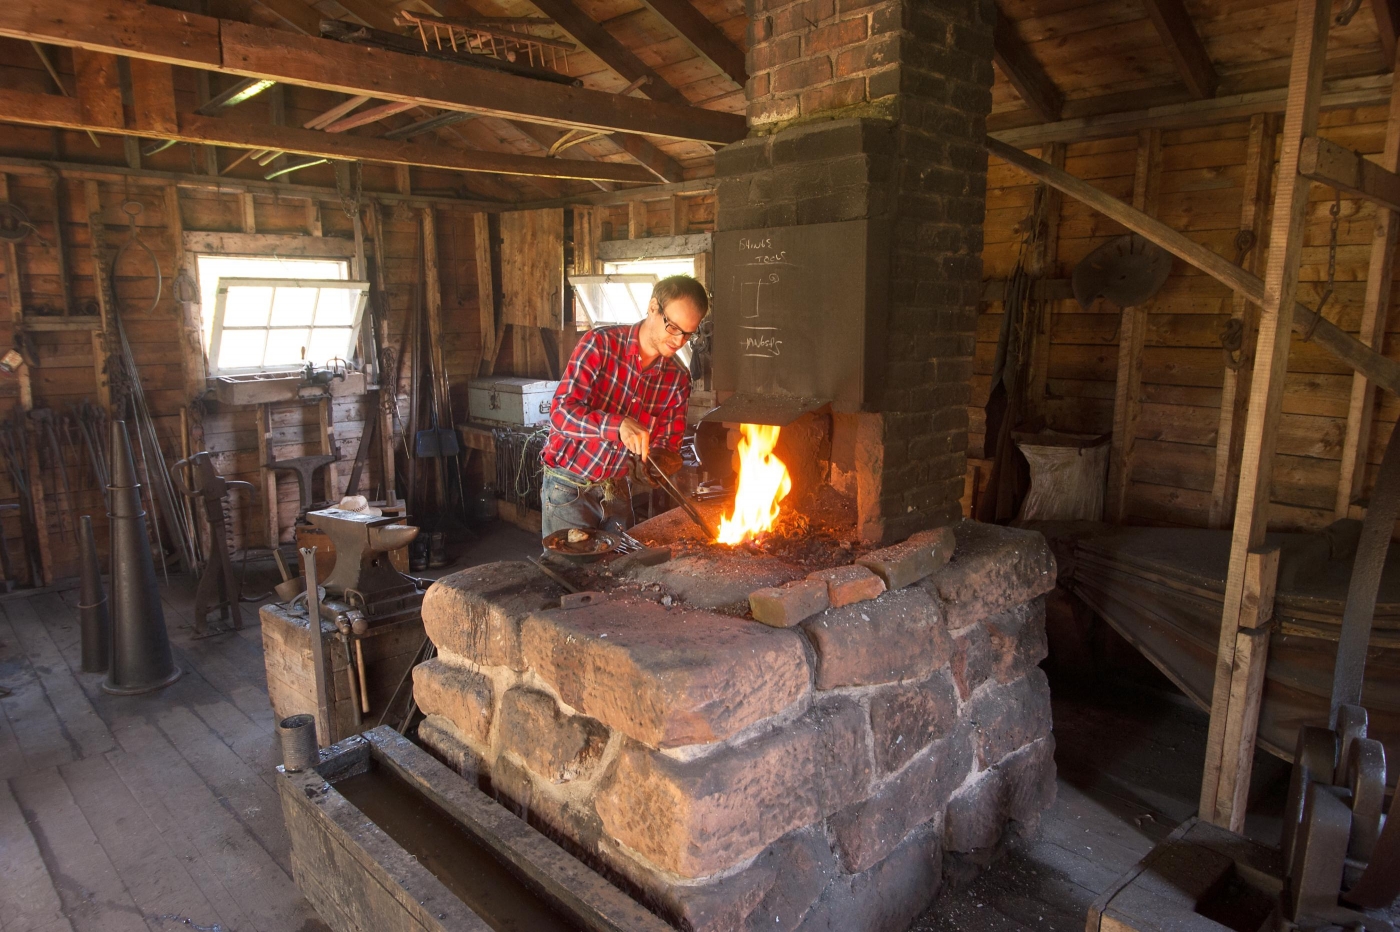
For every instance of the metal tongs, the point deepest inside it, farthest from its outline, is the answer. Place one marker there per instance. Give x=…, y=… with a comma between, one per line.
x=681, y=499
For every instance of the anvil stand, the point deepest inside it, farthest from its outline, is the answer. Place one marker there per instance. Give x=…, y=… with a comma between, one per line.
x=304, y=468
x=218, y=574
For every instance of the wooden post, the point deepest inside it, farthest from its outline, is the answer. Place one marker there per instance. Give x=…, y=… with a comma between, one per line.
x=271, y=517
x=402, y=179
x=1132, y=338
x=14, y=295
x=1044, y=263
x=680, y=215
x=1374, y=312
x=636, y=218
x=327, y=430
x=1234, y=394
x=1270, y=369
x=105, y=341
x=313, y=217
x=432, y=293
x=250, y=220
x=485, y=294
x=388, y=384
x=1246, y=687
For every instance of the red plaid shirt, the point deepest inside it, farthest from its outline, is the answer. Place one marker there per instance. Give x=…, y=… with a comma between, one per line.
x=603, y=384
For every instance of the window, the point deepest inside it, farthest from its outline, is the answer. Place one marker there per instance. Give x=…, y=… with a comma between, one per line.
x=621, y=294
x=212, y=268
x=272, y=324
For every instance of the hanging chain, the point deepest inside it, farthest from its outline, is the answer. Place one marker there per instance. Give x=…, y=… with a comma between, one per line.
x=1336, y=212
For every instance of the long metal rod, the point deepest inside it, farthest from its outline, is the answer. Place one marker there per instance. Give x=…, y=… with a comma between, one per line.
x=683, y=501
x=318, y=648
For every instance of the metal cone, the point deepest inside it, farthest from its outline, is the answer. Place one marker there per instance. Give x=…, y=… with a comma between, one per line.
x=92, y=609
x=141, y=658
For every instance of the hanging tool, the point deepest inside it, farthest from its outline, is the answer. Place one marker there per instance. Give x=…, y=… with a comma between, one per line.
x=16, y=450
x=218, y=570
x=44, y=418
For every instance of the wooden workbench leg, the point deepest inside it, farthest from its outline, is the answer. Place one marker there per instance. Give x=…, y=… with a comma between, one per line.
x=269, y=477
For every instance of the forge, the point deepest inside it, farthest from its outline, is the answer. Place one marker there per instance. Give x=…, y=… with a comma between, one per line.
x=822, y=770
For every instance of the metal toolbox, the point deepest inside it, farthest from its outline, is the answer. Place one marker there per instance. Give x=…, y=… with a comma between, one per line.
x=515, y=401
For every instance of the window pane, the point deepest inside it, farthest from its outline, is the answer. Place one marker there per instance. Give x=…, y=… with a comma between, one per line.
x=337, y=307
x=212, y=268
x=247, y=307
x=293, y=306
x=241, y=349
x=284, y=348
x=327, y=343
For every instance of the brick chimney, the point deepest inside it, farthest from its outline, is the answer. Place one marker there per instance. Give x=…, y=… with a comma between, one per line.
x=876, y=111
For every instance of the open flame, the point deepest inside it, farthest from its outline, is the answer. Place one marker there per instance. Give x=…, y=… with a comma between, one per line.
x=763, y=482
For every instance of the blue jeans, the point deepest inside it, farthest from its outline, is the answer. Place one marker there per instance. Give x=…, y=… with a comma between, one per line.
x=568, y=501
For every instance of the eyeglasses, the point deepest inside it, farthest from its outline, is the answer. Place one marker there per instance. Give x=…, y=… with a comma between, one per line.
x=675, y=331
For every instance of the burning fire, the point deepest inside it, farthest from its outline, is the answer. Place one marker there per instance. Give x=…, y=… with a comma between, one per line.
x=763, y=482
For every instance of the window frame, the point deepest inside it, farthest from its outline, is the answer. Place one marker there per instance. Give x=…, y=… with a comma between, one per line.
x=220, y=302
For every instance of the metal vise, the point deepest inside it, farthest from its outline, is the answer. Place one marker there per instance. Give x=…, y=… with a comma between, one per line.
x=363, y=577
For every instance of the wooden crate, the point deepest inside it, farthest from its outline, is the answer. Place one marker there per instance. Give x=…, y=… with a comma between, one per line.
x=291, y=683
x=1198, y=879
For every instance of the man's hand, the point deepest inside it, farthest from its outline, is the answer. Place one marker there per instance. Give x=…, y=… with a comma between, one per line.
x=635, y=437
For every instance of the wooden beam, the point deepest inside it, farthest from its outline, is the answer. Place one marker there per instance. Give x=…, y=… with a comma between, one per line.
x=1381, y=370
x=63, y=112
x=99, y=90
x=485, y=294
x=1339, y=167
x=1132, y=338
x=153, y=96
x=1270, y=370
x=1234, y=393
x=1044, y=268
x=366, y=117
x=592, y=36
x=1251, y=655
x=649, y=157
x=294, y=13
x=1184, y=44
x=147, y=31
x=1015, y=60
x=1387, y=27
x=704, y=36
x=1339, y=94
x=1374, y=312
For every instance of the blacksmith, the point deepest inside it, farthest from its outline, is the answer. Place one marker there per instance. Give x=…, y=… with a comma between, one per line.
x=623, y=395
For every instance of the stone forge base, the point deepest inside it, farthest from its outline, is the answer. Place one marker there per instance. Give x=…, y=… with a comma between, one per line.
x=739, y=776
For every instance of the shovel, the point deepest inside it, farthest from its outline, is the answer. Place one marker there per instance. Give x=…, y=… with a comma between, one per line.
x=435, y=442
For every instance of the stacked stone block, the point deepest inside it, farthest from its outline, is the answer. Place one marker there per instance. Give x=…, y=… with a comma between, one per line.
x=742, y=776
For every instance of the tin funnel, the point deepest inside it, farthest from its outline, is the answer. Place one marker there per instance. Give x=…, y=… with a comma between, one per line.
x=141, y=660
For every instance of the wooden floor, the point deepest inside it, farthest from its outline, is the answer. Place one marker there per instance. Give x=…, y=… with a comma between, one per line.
x=159, y=813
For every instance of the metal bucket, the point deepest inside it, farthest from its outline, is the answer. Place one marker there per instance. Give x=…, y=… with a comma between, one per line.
x=299, y=749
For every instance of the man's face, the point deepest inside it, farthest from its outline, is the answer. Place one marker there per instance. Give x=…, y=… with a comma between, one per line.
x=684, y=317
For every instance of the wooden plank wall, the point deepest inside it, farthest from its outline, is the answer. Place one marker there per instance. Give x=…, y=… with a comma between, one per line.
x=66, y=374
x=1200, y=193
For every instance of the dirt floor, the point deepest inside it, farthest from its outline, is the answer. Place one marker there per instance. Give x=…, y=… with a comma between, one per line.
x=159, y=812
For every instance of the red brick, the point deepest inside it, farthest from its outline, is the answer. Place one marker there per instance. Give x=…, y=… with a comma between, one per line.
x=1007, y=718
x=1017, y=640
x=785, y=606
x=666, y=678
x=696, y=817
x=836, y=35
x=905, y=718
x=801, y=75
x=772, y=110
x=833, y=96
x=847, y=584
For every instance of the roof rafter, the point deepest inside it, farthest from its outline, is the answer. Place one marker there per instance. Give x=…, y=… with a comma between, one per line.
x=67, y=113
x=704, y=36
x=1387, y=26
x=1184, y=44
x=1015, y=60
x=592, y=36
x=141, y=31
